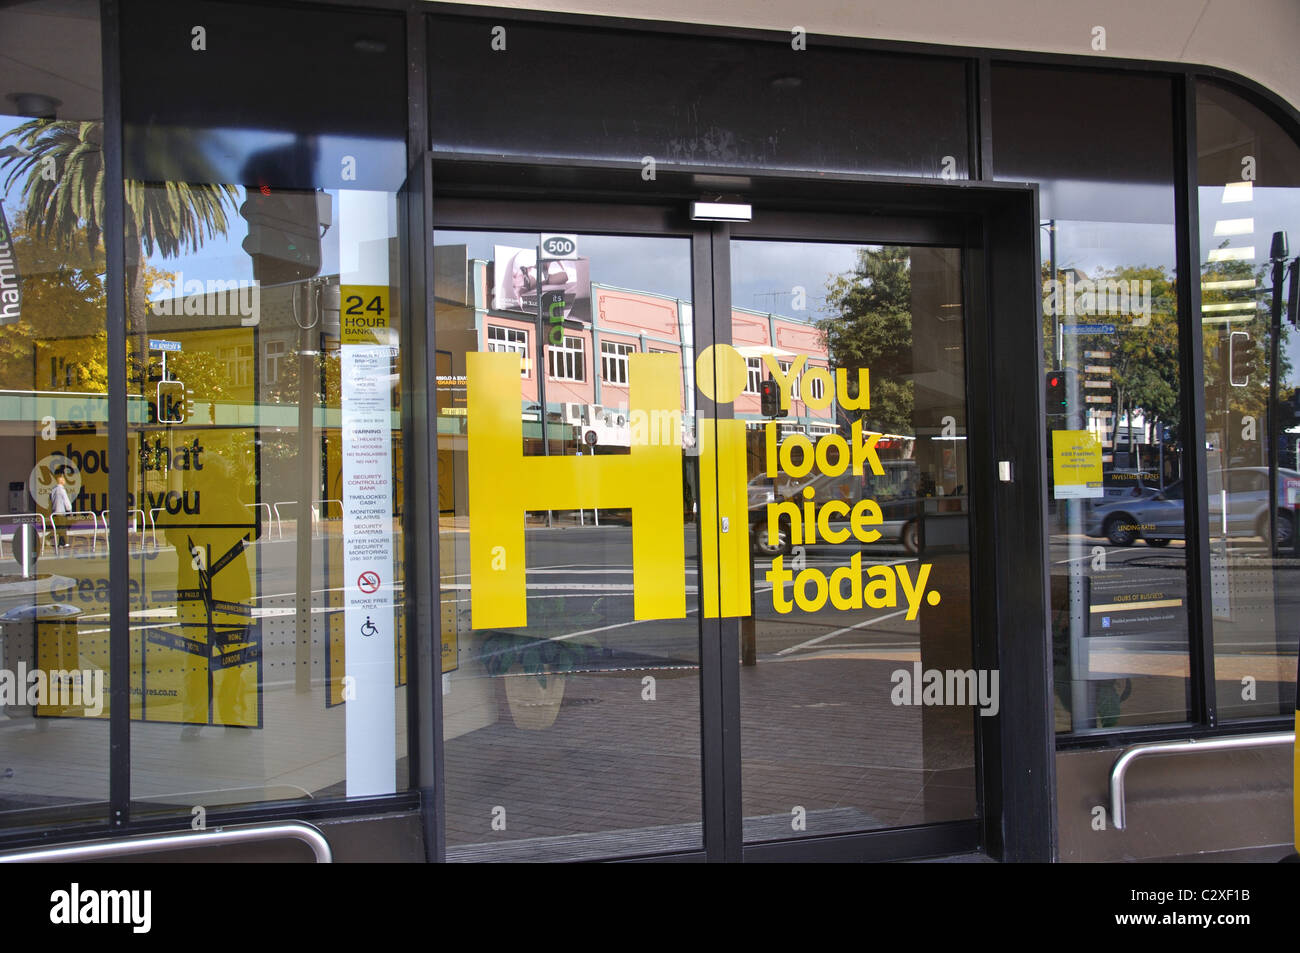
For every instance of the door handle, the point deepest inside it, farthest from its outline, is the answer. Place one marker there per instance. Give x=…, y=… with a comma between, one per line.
x=726, y=525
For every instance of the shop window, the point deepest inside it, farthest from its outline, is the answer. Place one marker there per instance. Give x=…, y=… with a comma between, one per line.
x=613, y=361
x=266, y=283
x=566, y=362
x=1112, y=367
x=512, y=340
x=1248, y=189
x=54, y=436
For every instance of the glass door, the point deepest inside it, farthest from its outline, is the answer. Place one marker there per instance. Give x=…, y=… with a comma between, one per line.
x=569, y=498
x=704, y=535
x=858, y=696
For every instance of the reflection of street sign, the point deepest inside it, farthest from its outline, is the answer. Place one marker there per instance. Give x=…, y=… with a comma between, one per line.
x=590, y=438
x=171, y=402
x=156, y=344
x=552, y=308
x=558, y=247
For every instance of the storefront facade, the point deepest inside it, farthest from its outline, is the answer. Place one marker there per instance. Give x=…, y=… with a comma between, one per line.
x=725, y=445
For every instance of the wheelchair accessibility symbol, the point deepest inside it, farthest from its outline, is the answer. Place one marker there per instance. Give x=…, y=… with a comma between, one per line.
x=369, y=628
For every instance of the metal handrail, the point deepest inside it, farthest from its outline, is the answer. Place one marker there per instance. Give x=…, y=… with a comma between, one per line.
x=94, y=522
x=218, y=836
x=153, y=526
x=269, y=517
x=136, y=524
x=322, y=511
x=1120, y=768
x=11, y=516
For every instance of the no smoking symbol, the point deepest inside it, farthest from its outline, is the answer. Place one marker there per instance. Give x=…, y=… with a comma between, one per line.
x=368, y=582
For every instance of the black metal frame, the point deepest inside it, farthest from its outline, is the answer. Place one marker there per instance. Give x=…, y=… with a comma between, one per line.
x=425, y=698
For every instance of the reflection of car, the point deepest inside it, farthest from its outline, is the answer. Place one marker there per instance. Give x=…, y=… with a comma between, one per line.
x=1236, y=504
x=894, y=492
x=1141, y=512
x=1245, y=491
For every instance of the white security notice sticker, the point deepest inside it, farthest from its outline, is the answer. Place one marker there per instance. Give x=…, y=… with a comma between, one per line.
x=366, y=399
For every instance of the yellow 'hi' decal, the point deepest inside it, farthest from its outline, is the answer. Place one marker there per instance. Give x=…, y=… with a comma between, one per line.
x=503, y=484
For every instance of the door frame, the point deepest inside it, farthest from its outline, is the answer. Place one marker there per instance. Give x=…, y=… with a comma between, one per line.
x=996, y=226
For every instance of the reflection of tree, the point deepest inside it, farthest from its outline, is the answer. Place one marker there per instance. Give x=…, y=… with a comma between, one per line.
x=1144, y=368
x=62, y=323
x=871, y=327
x=61, y=164
x=1144, y=359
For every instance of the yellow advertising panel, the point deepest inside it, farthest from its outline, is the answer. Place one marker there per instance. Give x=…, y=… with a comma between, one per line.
x=203, y=647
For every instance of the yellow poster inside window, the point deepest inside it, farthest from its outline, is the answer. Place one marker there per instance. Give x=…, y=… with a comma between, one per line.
x=1076, y=464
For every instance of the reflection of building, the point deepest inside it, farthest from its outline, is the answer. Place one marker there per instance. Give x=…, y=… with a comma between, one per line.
x=587, y=374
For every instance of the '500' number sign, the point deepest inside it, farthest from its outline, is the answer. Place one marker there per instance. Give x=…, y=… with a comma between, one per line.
x=555, y=247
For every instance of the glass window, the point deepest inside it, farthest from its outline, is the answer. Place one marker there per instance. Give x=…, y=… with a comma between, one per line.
x=1249, y=191
x=1114, y=435
x=276, y=353
x=566, y=362
x=513, y=340
x=54, y=433
x=754, y=379
x=267, y=633
x=613, y=361
x=794, y=381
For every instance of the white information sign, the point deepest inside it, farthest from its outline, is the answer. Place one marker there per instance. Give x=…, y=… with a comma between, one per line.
x=369, y=656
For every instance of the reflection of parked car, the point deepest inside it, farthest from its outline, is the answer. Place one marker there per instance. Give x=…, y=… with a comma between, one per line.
x=1236, y=504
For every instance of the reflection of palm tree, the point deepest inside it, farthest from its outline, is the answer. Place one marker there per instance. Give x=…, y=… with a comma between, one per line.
x=63, y=162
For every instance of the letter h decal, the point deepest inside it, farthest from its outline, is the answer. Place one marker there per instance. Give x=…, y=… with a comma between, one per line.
x=504, y=484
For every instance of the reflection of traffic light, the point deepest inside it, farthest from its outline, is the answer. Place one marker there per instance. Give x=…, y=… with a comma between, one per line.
x=170, y=407
x=770, y=398
x=1241, y=358
x=1057, y=396
x=284, y=232
x=1061, y=404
